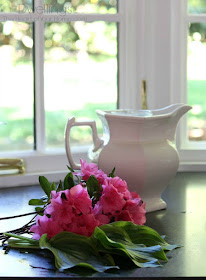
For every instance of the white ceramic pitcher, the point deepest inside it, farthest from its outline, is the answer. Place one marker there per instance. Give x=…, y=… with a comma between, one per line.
x=140, y=144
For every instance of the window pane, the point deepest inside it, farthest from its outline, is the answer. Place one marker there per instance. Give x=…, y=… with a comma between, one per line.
x=197, y=81
x=196, y=6
x=80, y=75
x=16, y=86
x=81, y=6
x=9, y=6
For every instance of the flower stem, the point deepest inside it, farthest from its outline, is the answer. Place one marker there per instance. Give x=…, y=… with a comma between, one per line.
x=20, y=237
x=17, y=216
x=18, y=231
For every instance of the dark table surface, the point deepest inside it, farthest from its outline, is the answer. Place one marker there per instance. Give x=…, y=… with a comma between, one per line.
x=183, y=222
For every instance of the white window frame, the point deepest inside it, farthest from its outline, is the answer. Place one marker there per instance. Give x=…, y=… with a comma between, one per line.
x=131, y=71
x=166, y=73
x=193, y=153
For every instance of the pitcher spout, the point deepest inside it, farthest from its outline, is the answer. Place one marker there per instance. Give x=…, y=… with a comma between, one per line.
x=179, y=111
x=176, y=112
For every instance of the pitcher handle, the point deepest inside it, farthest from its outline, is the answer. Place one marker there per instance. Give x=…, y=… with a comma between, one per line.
x=96, y=140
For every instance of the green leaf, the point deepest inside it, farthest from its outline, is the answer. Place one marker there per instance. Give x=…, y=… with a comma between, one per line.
x=36, y=202
x=71, y=250
x=155, y=251
x=53, y=186
x=93, y=188
x=40, y=210
x=59, y=187
x=44, y=183
x=143, y=245
x=68, y=181
x=112, y=173
x=121, y=242
x=70, y=169
x=78, y=179
x=140, y=234
x=128, y=250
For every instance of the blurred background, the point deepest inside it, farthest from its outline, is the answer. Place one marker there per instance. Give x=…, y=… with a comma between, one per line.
x=80, y=73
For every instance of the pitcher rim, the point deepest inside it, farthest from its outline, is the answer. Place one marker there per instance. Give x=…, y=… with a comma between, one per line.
x=111, y=113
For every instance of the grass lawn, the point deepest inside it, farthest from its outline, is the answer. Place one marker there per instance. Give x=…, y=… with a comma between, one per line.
x=20, y=131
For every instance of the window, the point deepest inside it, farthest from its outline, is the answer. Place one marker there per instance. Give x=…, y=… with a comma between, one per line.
x=192, y=144
x=196, y=75
x=63, y=58
x=160, y=41
x=174, y=72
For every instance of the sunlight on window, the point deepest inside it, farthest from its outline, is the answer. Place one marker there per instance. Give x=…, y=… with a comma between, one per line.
x=197, y=81
x=9, y=6
x=80, y=75
x=196, y=6
x=16, y=87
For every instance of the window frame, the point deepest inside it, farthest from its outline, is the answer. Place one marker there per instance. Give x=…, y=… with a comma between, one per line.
x=193, y=154
x=131, y=71
x=167, y=51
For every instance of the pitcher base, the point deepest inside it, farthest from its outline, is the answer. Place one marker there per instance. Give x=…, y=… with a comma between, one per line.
x=154, y=204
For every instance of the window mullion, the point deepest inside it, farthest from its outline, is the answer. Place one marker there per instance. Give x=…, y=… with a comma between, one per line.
x=196, y=18
x=131, y=46
x=39, y=115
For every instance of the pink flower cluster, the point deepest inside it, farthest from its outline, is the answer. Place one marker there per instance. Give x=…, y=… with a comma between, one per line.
x=72, y=210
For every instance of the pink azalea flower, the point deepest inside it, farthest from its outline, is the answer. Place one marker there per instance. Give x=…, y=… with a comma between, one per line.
x=72, y=210
x=111, y=200
x=135, y=195
x=45, y=225
x=60, y=208
x=120, y=185
x=97, y=211
x=88, y=169
x=103, y=219
x=62, y=213
x=117, y=203
x=80, y=200
x=124, y=215
x=83, y=224
x=69, y=210
x=135, y=210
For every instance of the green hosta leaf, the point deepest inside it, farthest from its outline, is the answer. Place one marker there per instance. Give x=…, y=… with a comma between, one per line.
x=36, y=202
x=93, y=188
x=112, y=173
x=44, y=183
x=68, y=181
x=135, y=252
x=120, y=242
x=108, y=243
x=72, y=250
x=140, y=234
x=155, y=251
x=143, y=245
